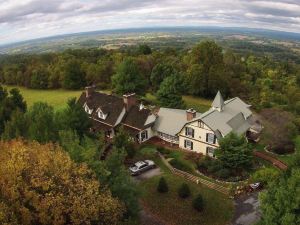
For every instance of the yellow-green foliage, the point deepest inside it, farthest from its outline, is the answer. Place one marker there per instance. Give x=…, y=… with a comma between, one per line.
x=40, y=184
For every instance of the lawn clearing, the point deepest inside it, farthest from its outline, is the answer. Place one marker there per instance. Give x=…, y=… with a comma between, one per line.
x=199, y=104
x=174, y=210
x=288, y=158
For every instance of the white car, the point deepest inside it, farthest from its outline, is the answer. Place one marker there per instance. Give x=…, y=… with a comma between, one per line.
x=141, y=166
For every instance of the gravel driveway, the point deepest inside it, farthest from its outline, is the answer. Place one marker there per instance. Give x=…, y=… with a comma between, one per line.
x=246, y=210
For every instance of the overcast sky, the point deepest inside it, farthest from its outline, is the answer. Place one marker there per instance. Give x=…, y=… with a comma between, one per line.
x=28, y=19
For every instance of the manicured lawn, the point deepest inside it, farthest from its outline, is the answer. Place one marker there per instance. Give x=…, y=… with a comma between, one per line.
x=174, y=210
x=199, y=104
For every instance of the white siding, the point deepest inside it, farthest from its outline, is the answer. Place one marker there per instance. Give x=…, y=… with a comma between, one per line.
x=199, y=140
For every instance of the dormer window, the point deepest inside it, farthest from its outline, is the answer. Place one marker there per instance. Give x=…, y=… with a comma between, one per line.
x=87, y=109
x=101, y=115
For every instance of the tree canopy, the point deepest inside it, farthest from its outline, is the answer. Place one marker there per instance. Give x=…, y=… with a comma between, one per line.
x=40, y=184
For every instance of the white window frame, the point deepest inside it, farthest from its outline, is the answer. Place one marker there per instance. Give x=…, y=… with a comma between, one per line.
x=200, y=124
x=101, y=115
x=144, y=132
x=188, y=144
x=211, y=138
x=189, y=132
x=87, y=109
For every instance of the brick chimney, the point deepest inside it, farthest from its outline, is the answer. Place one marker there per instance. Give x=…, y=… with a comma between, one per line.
x=89, y=91
x=129, y=100
x=190, y=114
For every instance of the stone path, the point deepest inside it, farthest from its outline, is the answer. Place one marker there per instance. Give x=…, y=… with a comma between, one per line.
x=246, y=210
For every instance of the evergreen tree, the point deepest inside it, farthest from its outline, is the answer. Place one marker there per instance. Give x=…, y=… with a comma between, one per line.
x=235, y=152
x=198, y=203
x=162, y=185
x=159, y=73
x=169, y=93
x=128, y=78
x=184, y=191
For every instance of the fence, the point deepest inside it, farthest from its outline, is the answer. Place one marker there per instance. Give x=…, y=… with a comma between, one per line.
x=196, y=179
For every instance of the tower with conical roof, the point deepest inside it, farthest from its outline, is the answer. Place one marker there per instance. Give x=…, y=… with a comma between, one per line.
x=218, y=102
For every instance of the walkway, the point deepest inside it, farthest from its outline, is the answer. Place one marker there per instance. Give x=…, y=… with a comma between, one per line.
x=276, y=162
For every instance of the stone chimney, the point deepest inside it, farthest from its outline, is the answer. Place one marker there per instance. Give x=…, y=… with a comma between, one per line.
x=89, y=91
x=190, y=114
x=129, y=101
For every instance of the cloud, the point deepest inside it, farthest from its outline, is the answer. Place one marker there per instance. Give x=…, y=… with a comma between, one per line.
x=27, y=19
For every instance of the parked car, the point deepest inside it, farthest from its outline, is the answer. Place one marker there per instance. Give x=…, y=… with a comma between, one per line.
x=141, y=166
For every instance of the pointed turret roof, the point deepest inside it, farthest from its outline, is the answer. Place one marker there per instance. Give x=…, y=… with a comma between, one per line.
x=218, y=102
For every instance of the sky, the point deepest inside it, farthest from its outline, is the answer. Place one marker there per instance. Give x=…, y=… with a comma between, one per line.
x=29, y=19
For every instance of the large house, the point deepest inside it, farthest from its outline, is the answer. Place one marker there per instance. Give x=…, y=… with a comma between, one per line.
x=187, y=129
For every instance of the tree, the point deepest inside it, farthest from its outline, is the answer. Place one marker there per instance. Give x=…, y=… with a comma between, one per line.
x=128, y=78
x=73, y=117
x=184, y=191
x=234, y=152
x=159, y=73
x=162, y=185
x=42, y=185
x=121, y=184
x=16, y=100
x=122, y=141
x=280, y=203
x=39, y=78
x=198, y=203
x=42, y=127
x=144, y=49
x=16, y=127
x=73, y=76
x=169, y=93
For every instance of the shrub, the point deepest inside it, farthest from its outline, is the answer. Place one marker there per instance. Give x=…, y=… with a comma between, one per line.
x=223, y=173
x=265, y=175
x=162, y=185
x=148, y=152
x=198, y=203
x=163, y=150
x=204, y=163
x=181, y=165
x=184, y=191
x=215, y=166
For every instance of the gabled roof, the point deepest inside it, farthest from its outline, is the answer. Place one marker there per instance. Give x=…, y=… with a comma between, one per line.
x=233, y=117
x=109, y=104
x=137, y=118
x=218, y=102
x=171, y=121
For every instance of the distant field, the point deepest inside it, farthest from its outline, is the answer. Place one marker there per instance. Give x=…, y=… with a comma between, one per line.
x=199, y=104
x=56, y=98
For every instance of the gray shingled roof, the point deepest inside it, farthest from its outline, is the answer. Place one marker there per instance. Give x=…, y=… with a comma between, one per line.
x=171, y=121
x=233, y=117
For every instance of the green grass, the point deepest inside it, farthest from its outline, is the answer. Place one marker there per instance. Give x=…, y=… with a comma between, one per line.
x=174, y=210
x=56, y=98
x=199, y=104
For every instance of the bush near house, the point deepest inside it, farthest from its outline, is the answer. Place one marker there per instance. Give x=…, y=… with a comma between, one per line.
x=181, y=165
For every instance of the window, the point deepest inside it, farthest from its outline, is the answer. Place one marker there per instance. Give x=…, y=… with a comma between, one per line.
x=89, y=111
x=101, y=115
x=210, y=151
x=200, y=124
x=144, y=135
x=188, y=144
x=189, y=131
x=210, y=138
